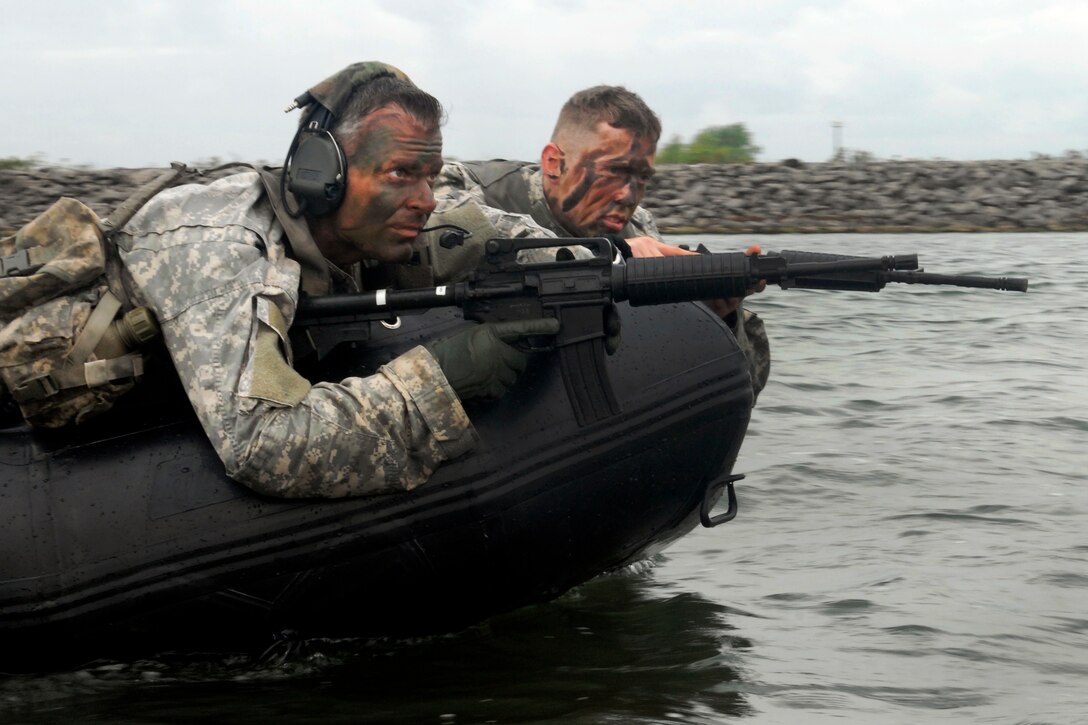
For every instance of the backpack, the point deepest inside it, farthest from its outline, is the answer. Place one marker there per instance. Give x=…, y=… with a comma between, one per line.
x=69, y=338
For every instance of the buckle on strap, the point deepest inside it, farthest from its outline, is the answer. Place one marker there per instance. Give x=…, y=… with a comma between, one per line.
x=37, y=388
x=17, y=263
x=87, y=375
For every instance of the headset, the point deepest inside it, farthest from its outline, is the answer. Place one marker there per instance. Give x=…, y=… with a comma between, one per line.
x=315, y=169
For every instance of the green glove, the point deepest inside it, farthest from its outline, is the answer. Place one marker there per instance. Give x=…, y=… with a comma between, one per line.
x=479, y=360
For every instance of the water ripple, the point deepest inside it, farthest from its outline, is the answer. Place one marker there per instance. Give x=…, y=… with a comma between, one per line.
x=958, y=516
x=1062, y=579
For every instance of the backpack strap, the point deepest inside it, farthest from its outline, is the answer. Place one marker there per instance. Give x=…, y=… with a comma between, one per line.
x=76, y=372
x=28, y=260
x=121, y=216
x=104, y=313
x=87, y=375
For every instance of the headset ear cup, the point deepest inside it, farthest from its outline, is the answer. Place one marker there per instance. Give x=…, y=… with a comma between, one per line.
x=317, y=171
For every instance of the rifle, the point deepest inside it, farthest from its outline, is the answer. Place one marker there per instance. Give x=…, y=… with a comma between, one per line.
x=875, y=281
x=579, y=291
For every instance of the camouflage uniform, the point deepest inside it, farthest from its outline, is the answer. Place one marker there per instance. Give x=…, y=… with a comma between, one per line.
x=212, y=262
x=518, y=186
x=464, y=210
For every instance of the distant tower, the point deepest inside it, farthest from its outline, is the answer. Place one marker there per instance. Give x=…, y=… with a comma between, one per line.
x=836, y=139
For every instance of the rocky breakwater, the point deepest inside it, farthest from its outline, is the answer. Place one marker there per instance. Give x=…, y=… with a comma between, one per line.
x=27, y=192
x=880, y=196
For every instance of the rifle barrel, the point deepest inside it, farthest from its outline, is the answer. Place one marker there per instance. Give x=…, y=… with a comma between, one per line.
x=1010, y=284
x=894, y=261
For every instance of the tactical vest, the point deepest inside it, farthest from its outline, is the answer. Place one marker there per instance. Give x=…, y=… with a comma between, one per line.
x=505, y=185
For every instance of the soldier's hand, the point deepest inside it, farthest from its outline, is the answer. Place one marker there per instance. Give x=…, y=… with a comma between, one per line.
x=480, y=361
x=724, y=307
x=650, y=247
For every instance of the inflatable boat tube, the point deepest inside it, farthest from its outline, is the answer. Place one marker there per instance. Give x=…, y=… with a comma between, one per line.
x=126, y=535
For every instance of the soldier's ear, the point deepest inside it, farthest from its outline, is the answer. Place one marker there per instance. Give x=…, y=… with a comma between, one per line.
x=551, y=161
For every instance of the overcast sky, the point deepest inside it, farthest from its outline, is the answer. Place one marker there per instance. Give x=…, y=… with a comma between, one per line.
x=143, y=82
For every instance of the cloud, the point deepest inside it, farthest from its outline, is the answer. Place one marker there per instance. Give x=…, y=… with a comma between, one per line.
x=135, y=82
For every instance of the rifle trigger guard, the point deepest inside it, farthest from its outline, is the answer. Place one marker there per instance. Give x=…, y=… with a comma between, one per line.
x=708, y=502
x=536, y=343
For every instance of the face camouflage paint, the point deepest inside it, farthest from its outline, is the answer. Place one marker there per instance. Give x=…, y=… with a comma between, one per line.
x=389, y=195
x=602, y=180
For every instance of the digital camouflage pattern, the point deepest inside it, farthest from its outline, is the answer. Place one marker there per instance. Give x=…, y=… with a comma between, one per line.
x=43, y=313
x=518, y=186
x=212, y=263
x=337, y=88
x=752, y=339
x=66, y=246
x=464, y=210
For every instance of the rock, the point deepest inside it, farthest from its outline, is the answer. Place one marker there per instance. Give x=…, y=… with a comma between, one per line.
x=1040, y=194
x=919, y=196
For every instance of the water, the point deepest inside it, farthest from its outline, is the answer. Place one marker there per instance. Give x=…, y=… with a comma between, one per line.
x=912, y=546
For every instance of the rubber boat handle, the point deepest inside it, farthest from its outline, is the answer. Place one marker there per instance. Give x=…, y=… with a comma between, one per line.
x=708, y=502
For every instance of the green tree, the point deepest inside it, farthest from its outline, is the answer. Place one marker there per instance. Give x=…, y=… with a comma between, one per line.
x=12, y=162
x=730, y=144
x=673, y=153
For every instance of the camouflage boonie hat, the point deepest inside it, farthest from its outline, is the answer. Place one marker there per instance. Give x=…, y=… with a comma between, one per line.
x=335, y=89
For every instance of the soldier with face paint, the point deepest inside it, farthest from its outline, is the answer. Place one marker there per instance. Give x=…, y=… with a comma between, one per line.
x=591, y=178
x=222, y=266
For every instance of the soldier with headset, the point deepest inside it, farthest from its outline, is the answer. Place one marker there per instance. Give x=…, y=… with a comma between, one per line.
x=222, y=266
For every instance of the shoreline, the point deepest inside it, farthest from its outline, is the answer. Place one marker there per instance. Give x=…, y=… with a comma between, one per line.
x=789, y=197
x=1039, y=195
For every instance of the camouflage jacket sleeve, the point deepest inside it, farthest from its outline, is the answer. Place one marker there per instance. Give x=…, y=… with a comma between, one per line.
x=212, y=266
x=747, y=328
x=642, y=224
x=752, y=339
x=453, y=178
x=462, y=209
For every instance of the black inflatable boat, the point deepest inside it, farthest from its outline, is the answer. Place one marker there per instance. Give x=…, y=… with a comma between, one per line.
x=126, y=534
